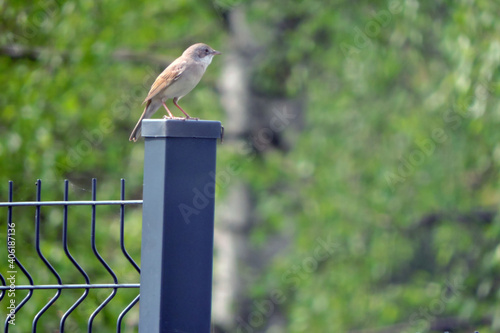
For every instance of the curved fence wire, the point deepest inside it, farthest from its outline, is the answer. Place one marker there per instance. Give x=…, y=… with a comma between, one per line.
x=15, y=297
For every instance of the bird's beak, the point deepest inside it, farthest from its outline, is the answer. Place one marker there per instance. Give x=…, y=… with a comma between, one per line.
x=216, y=52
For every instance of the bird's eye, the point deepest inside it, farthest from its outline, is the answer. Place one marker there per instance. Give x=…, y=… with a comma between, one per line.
x=206, y=51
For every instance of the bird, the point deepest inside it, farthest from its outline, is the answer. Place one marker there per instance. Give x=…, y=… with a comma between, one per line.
x=175, y=82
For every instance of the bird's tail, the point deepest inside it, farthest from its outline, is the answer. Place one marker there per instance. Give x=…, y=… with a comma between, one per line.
x=149, y=110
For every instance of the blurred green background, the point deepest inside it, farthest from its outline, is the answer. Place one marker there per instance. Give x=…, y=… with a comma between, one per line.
x=358, y=183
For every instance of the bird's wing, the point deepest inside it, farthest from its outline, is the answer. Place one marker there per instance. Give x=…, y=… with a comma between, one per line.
x=166, y=78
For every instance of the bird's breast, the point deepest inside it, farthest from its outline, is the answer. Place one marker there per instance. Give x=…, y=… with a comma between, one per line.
x=185, y=83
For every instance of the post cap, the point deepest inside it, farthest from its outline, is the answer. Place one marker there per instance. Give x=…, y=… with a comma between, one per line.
x=180, y=128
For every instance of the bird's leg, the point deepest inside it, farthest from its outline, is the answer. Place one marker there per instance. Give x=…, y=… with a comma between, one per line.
x=185, y=113
x=168, y=111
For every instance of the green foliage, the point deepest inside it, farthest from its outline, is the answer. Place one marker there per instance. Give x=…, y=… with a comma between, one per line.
x=395, y=166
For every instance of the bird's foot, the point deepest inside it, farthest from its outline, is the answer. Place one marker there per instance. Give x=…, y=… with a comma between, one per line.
x=191, y=118
x=173, y=117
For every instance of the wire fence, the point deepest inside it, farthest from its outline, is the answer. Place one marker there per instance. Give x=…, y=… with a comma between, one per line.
x=24, y=247
x=54, y=281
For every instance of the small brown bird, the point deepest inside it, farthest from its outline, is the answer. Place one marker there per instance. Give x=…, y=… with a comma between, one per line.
x=176, y=81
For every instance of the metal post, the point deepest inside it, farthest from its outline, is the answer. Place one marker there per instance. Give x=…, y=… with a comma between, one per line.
x=178, y=225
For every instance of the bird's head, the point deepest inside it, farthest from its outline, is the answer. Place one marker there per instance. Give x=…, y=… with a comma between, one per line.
x=201, y=52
